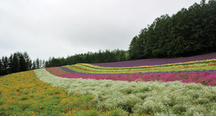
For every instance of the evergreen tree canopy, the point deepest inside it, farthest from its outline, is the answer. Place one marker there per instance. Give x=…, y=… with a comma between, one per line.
x=189, y=32
x=18, y=62
x=1, y=68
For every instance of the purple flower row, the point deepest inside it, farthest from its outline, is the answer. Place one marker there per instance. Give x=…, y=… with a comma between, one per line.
x=150, y=62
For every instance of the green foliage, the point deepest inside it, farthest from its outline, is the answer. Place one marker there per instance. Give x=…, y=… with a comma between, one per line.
x=5, y=67
x=188, y=32
x=89, y=57
x=1, y=67
x=19, y=62
x=22, y=62
x=15, y=63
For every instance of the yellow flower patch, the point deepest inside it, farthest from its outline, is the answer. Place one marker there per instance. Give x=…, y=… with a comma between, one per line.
x=23, y=94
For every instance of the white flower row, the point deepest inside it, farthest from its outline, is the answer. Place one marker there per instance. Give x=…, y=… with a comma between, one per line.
x=171, y=98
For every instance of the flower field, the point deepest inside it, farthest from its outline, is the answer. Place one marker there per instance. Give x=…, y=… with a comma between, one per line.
x=184, y=88
x=203, y=72
x=23, y=94
x=155, y=61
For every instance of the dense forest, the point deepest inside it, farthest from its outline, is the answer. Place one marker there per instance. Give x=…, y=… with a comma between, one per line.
x=189, y=32
x=90, y=57
x=18, y=62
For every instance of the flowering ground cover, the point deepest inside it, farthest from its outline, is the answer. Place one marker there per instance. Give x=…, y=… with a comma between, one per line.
x=23, y=94
x=84, y=69
x=187, y=66
x=183, y=88
x=156, y=98
x=151, y=62
x=202, y=77
x=185, y=72
x=212, y=61
x=186, y=88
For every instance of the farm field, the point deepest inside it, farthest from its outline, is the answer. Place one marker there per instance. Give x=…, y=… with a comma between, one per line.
x=183, y=88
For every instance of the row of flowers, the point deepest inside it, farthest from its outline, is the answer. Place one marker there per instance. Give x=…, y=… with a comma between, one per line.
x=207, y=77
x=194, y=67
x=212, y=61
x=160, y=98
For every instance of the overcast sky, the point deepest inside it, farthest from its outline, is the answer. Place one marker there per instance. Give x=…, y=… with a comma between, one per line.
x=58, y=28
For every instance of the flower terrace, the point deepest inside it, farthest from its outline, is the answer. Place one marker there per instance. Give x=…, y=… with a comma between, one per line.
x=182, y=88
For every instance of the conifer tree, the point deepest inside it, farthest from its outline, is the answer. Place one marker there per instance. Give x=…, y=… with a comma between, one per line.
x=22, y=63
x=15, y=63
x=28, y=61
x=1, y=68
x=5, y=65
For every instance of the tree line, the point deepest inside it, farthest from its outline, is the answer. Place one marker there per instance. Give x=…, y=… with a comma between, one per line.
x=189, y=32
x=89, y=57
x=18, y=62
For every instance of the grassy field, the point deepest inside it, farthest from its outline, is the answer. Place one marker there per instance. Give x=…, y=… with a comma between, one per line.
x=86, y=89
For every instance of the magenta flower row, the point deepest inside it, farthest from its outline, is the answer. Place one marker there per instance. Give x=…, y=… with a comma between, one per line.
x=205, y=77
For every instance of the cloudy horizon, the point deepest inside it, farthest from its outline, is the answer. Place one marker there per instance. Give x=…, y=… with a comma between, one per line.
x=61, y=28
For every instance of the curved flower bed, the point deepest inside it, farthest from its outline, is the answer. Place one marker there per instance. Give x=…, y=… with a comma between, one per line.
x=203, y=77
x=189, y=66
x=171, y=89
x=160, y=98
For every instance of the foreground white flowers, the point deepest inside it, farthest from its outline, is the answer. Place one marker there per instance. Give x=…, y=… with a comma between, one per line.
x=171, y=98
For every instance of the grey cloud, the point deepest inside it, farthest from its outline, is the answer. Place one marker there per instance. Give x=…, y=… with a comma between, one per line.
x=58, y=28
